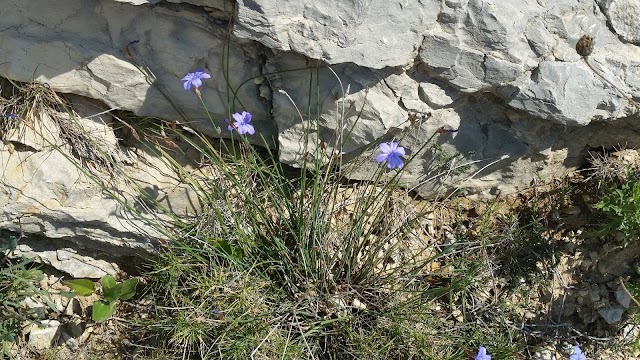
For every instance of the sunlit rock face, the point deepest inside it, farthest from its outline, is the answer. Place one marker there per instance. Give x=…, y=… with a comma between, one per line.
x=339, y=77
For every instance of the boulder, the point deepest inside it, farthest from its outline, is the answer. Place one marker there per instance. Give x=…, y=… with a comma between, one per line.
x=44, y=335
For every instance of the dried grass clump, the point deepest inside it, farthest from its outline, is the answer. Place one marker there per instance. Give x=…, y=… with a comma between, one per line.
x=24, y=106
x=613, y=167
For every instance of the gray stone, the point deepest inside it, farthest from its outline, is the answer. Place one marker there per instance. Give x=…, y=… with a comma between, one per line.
x=407, y=90
x=73, y=308
x=69, y=341
x=373, y=34
x=44, y=335
x=37, y=308
x=75, y=327
x=44, y=193
x=458, y=65
x=434, y=95
x=611, y=315
x=581, y=100
x=85, y=56
x=623, y=298
x=504, y=73
x=624, y=16
x=68, y=261
x=629, y=333
x=544, y=354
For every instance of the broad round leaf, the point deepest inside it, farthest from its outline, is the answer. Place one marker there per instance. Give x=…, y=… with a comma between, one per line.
x=102, y=310
x=82, y=287
x=128, y=288
x=110, y=289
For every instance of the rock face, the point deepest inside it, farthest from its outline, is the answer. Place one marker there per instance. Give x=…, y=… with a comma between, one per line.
x=45, y=194
x=369, y=33
x=624, y=16
x=504, y=73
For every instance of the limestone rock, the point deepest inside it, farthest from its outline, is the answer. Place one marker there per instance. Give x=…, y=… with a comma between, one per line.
x=505, y=74
x=373, y=34
x=44, y=193
x=435, y=96
x=85, y=55
x=36, y=308
x=69, y=341
x=624, y=16
x=43, y=336
x=611, y=315
x=68, y=261
x=623, y=298
x=576, y=103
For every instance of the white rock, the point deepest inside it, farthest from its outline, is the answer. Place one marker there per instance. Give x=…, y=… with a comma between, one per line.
x=358, y=304
x=68, y=261
x=38, y=308
x=73, y=307
x=375, y=34
x=69, y=340
x=544, y=354
x=406, y=89
x=577, y=103
x=434, y=95
x=624, y=16
x=629, y=333
x=43, y=336
x=338, y=301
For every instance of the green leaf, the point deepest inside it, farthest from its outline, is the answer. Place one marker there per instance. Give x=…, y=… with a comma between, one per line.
x=50, y=303
x=82, y=287
x=111, y=294
x=108, y=282
x=226, y=248
x=128, y=289
x=110, y=288
x=11, y=244
x=6, y=336
x=67, y=294
x=102, y=310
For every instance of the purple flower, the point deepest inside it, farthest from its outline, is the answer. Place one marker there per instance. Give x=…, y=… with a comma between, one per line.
x=482, y=354
x=195, y=79
x=11, y=116
x=241, y=123
x=577, y=354
x=391, y=153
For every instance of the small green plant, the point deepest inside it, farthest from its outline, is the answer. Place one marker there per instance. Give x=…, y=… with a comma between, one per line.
x=622, y=206
x=19, y=279
x=111, y=293
x=17, y=282
x=282, y=264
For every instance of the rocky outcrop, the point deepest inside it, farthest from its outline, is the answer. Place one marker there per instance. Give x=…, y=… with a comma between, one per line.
x=504, y=73
x=78, y=201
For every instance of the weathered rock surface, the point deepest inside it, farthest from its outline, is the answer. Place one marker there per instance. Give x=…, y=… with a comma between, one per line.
x=42, y=336
x=44, y=192
x=624, y=16
x=505, y=74
x=68, y=261
x=373, y=33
